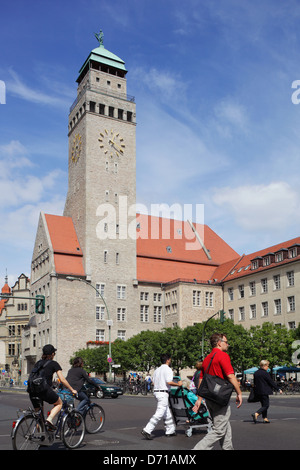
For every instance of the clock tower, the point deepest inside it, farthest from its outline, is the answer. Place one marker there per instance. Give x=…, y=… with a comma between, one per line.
x=102, y=190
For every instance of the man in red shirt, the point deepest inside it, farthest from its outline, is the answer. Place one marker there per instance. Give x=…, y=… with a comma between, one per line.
x=220, y=366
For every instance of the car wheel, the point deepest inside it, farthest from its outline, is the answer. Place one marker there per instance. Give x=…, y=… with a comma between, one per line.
x=100, y=394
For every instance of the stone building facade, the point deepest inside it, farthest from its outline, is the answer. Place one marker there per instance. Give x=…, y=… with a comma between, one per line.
x=264, y=286
x=14, y=316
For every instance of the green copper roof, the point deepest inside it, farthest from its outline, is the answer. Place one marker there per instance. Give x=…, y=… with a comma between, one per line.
x=103, y=56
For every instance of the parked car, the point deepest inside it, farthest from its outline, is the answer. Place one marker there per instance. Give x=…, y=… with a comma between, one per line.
x=106, y=390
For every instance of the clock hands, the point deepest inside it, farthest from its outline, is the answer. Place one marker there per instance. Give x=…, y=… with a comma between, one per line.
x=111, y=141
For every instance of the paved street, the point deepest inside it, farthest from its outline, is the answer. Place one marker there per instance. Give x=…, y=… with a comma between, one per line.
x=126, y=416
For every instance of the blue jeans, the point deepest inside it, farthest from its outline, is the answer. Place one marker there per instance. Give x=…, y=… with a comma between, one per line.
x=84, y=399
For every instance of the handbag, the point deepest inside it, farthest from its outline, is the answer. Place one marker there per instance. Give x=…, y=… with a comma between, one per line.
x=252, y=396
x=215, y=388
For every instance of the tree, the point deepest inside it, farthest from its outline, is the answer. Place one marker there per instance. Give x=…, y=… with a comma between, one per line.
x=173, y=344
x=148, y=348
x=272, y=342
x=95, y=359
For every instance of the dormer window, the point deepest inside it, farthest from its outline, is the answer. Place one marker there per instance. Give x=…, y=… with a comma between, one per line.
x=293, y=251
x=266, y=261
x=279, y=257
x=254, y=264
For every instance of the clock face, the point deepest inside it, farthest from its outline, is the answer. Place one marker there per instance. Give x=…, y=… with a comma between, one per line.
x=76, y=148
x=111, y=143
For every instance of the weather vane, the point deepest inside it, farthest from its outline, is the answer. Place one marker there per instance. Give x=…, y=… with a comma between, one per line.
x=99, y=37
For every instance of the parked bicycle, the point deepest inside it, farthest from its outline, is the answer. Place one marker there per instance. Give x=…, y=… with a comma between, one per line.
x=30, y=431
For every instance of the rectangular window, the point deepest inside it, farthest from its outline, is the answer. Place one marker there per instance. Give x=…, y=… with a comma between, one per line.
x=242, y=314
x=290, y=279
x=241, y=291
x=230, y=293
x=264, y=309
x=276, y=282
x=144, y=313
x=121, y=335
x=100, y=312
x=277, y=307
x=121, y=292
x=291, y=303
x=252, y=287
x=252, y=312
x=196, y=298
x=92, y=106
x=100, y=335
x=121, y=314
x=157, y=314
x=209, y=299
x=100, y=288
x=264, y=286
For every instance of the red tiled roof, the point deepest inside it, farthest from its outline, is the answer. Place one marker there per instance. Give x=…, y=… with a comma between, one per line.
x=162, y=271
x=240, y=267
x=168, y=249
x=68, y=256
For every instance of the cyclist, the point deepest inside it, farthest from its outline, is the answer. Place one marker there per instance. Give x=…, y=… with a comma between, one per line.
x=49, y=395
x=76, y=377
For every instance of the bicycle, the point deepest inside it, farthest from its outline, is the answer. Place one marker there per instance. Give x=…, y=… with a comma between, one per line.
x=93, y=415
x=30, y=431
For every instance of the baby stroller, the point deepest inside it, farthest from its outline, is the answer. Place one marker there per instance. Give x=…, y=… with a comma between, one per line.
x=181, y=402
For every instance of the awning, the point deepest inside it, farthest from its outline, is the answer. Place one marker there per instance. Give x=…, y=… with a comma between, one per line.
x=251, y=370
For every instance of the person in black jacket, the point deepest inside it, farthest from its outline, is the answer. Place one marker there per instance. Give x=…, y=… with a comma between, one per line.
x=76, y=378
x=263, y=387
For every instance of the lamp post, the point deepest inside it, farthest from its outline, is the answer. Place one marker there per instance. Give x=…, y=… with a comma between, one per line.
x=109, y=321
x=222, y=319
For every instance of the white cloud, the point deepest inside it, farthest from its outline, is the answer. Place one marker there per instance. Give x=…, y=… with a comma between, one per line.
x=230, y=116
x=260, y=207
x=18, y=88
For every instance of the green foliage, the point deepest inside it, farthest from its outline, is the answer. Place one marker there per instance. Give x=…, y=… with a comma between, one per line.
x=246, y=347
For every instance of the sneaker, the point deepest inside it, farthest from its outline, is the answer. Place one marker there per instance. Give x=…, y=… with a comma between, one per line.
x=50, y=426
x=146, y=435
x=172, y=434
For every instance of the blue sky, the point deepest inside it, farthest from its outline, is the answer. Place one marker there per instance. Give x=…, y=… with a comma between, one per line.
x=216, y=111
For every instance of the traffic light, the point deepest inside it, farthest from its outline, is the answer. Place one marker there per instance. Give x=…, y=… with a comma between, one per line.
x=40, y=304
x=222, y=316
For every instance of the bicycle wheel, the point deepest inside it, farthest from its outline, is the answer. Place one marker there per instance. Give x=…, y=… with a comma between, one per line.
x=28, y=433
x=94, y=418
x=73, y=429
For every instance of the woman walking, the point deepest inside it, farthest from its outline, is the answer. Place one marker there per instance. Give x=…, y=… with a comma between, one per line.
x=263, y=387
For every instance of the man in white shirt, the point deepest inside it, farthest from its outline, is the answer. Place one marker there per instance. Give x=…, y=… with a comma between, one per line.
x=162, y=380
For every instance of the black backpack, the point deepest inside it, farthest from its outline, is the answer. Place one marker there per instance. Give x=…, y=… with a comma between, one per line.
x=36, y=381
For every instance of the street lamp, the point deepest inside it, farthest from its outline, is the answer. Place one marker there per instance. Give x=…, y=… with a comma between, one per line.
x=109, y=321
x=222, y=319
